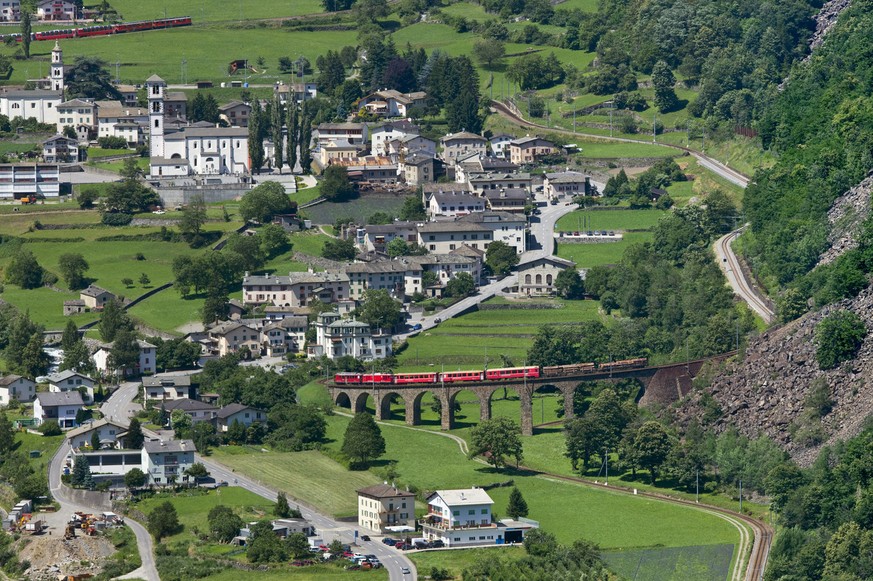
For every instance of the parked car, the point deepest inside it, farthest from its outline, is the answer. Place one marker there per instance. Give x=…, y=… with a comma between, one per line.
x=389, y=541
x=365, y=537
x=420, y=545
x=416, y=327
x=437, y=544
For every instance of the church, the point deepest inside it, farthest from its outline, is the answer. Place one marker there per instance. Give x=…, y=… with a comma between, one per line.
x=41, y=104
x=189, y=150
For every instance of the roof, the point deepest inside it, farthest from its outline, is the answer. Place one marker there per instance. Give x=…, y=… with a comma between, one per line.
x=75, y=103
x=93, y=291
x=499, y=176
x=228, y=327
x=506, y=193
x=528, y=140
x=451, y=227
x=298, y=278
x=340, y=126
x=119, y=110
x=233, y=408
x=566, y=177
x=167, y=381
x=457, y=196
x=339, y=144
x=59, y=137
x=445, y=188
x=145, y=344
x=165, y=161
x=74, y=303
x=155, y=79
x=188, y=405
x=553, y=259
x=232, y=105
x=215, y=132
x=34, y=94
x=401, y=125
x=156, y=446
x=418, y=158
x=175, y=96
x=465, y=250
x=491, y=217
x=383, y=491
x=462, y=135
x=92, y=425
x=7, y=380
x=51, y=399
x=62, y=375
x=463, y=497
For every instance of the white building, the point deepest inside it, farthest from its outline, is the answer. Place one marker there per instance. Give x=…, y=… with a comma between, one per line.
x=382, y=136
x=56, y=10
x=237, y=412
x=500, y=144
x=61, y=407
x=10, y=10
x=167, y=387
x=506, y=227
x=444, y=237
x=39, y=104
x=107, y=432
x=70, y=380
x=392, y=103
x=537, y=277
x=198, y=411
x=460, y=518
x=164, y=462
x=60, y=149
x=145, y=366
x=297, y=289
x=354, y=133
x=338, y=338
x=566, y=183
x=16, y=387
x=79, y=114
x=29, y=180
x=383, y=507
x=461, y=145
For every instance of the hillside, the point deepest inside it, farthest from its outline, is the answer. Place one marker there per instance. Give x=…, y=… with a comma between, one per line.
x=772, y=390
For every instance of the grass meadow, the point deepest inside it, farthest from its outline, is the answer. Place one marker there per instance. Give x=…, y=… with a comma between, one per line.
x=493, y=334
x=610, y=220
x=588, y=255
x=209, y=11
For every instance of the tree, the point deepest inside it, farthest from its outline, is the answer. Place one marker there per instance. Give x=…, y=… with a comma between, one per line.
x=71, y=335
x=263, y=202
x=663, y=82
x=304, y=143
x=77, y=358
x=500, y=257
x=363, y=439
x=335, y=185
x=282, y=510
x=127, y=282
x=7, y=435
x=73, y=267
x=135, y=478
x=34, y=360
x=397, y=247
x=838, y=338
x=26, y=30
x=144, y=280
x=23, y=270
x=50, y=428
x=181, y=422
x=203, y=434
x=81, y=476
x=539, y=543
x=332, y=72
x=256, y=138
x=88, y=78
x=86, y=197
x=124, y=354
x=276, y=119
x=366, y=11
x=292, y=142
x=295, y=427
x=95, y=440
x=163, y=521
x=193, y=219
x=175, y=353
x=461, y=285
x=197, y=470
x=652, y=446
x=298, y=545
x=113, y=320
x=224, y=524
x=487, y=52
x=380, y=310
x=335, y=249
x=517, y=505
x=264, y=546
x=569, y=284
x=135, y=438
x=236, y=433
x=498, y=439
x=413, y=209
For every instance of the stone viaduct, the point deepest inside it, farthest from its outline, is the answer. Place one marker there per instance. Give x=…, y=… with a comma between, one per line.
x=664, y=384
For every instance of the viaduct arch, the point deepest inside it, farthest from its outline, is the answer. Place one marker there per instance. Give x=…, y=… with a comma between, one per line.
x=665, y=384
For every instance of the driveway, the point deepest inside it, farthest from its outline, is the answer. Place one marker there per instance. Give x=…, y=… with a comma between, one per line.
x=326, y=527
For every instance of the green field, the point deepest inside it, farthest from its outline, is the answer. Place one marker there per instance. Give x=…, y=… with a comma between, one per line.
x=609, y=220
x=308, y=476
x=432, y=462
x=314, y=573
x=206, y=11
x=457, y=561
x=703, y=563
x=588, y=255
x=194, y=507
x=468, y=340
x=359, y=209
x=614, y=150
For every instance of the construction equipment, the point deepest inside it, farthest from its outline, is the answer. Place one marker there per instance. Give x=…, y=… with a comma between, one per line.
x=28, y=200
x=70, y=532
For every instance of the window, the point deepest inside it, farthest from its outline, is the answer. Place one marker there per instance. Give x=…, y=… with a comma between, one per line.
x=456, y=513
x=484, y=511
x=527, y=279
x=471, y=511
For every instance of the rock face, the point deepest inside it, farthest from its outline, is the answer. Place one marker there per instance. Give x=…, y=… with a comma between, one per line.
x=845, y=218
x=765, y=392
x=826, y=19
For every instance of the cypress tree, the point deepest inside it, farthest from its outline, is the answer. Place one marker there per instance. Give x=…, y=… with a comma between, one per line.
x=276, y=127
x=305, y=139
x=517, y=505
x=70, y=336
x=256, y=140
x=292, y=134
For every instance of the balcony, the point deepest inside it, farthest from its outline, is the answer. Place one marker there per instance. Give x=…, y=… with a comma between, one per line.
x=447, y=525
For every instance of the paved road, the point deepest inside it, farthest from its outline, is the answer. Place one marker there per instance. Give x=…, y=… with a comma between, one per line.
x=741, y=286
x=326, y=527
x=120, y=406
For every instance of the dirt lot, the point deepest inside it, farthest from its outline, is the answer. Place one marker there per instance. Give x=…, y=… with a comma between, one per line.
x=52, y=555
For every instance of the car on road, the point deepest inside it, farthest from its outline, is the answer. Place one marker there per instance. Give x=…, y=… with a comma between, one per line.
x=389, y=541
x=405, y=570
x=437, y=321
x=416, y=327
x=365, y=538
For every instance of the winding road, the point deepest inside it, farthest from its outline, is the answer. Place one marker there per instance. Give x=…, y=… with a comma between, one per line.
x=733, y=271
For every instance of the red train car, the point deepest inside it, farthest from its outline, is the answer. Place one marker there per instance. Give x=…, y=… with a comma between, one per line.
x=452, y=376
x=512, y=373
x=371, y=378
x=347, y=378
x=405, y=378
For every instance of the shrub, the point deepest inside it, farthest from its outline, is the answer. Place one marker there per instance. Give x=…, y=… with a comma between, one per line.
x=838, y=338
x=116, y=219
x=50, y=428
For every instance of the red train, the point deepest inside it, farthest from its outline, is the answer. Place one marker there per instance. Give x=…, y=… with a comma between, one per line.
x=104, y=29
x=499, y=374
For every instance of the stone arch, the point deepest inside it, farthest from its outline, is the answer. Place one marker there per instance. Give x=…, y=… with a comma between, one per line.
x=343, y=400
x=361, y=402
x=413, y=417
x=482, y=398
x=383, y=406
x=544, y=397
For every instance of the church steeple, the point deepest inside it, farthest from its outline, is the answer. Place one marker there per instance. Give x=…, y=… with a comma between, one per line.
x=155, y=86
x=57, y=69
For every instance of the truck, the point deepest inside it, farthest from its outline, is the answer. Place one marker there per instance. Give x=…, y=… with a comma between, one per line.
x=34, y=526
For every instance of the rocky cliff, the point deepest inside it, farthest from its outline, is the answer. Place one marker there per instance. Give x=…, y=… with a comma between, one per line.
x=766, y=391
x=845, y=218
x=826, y=19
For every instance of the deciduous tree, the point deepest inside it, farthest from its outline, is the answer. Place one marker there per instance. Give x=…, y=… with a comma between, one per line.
x=498, y=439
x=263, y=202
x=163, y=521
x=134, y=478
x=363, y=439
x=380, y=310
x=664, y=81
x=653, y=445
x=224, y=524
x=23, y=270
x=500, y=257
x=335, y=184
x=73, y=267
x=113, y=319
x=193, y=219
